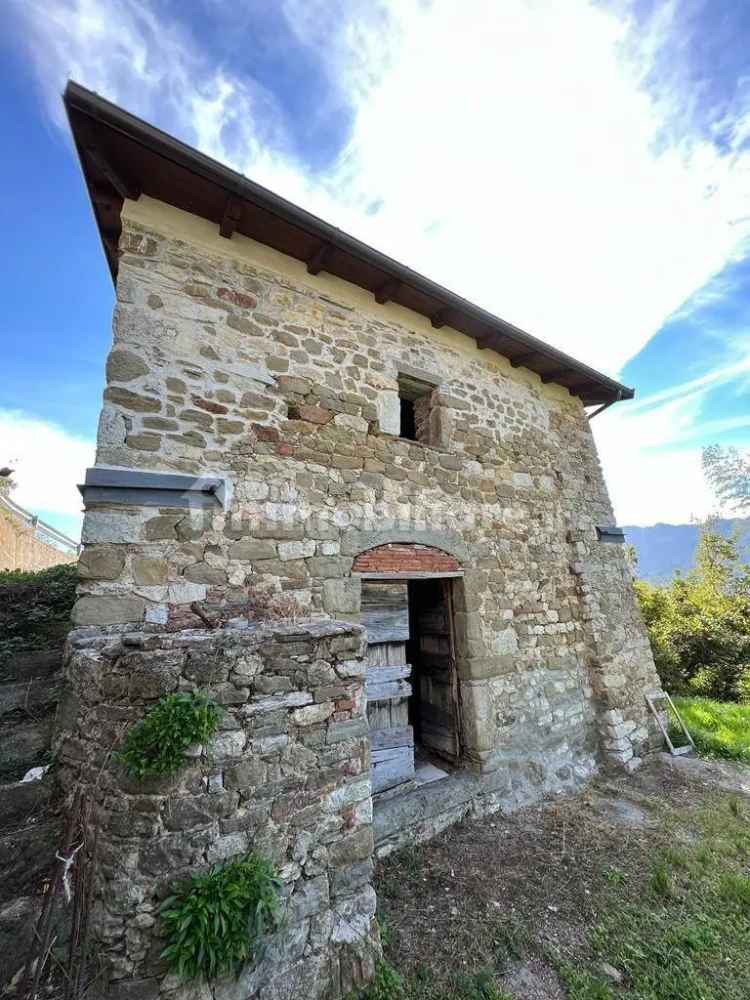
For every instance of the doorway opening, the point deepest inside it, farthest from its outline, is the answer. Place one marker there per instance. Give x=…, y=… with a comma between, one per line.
x=412, y=688
x=430, y=651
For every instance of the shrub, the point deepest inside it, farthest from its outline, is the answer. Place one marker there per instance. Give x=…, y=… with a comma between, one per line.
x=156, y=745
x=221, y=919
x=35, y=609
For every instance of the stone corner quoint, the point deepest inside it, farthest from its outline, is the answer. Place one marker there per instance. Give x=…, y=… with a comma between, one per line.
x=400, y=491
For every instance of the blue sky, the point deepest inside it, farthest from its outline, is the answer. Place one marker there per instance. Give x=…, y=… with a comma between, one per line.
x=608, y=143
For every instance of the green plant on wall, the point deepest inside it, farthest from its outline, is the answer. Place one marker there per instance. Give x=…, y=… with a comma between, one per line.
x=221, y=919
x=156, y=745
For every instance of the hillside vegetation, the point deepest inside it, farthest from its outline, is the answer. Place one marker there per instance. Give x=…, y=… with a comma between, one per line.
x=666, y=549
x=35, y=610
x=699, y=623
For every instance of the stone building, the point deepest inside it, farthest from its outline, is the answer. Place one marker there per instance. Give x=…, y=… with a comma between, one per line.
x=368, y=515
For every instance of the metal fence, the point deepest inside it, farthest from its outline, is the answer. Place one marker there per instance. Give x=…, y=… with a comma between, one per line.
x=43, y=531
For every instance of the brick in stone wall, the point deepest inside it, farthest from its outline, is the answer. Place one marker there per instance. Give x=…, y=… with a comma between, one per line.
x=405, y=558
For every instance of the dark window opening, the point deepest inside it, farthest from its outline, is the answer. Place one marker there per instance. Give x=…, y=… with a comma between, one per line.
x=415, y=397
x=408, y=420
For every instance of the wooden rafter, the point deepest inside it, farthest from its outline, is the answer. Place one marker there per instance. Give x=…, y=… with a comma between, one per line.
x=521, y=359
x=490, y=340
x=317, y=262
x=129, y=157
x=124, y=187
x=387, y=291
x=441, y=317
x=230, y=218
x=558, y=373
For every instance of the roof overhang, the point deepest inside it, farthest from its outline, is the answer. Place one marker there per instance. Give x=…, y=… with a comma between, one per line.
x=124, y=157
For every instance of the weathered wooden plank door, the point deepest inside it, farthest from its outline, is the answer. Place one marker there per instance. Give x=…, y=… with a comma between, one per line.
x=437, y=715
x=385, y=614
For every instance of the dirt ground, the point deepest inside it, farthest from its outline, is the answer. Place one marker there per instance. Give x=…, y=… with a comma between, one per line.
x=521, y=895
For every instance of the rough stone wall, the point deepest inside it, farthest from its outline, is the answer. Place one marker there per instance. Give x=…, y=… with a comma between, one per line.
x=287, y=776
x=29, y=818
x=618, y=653
x=231, y=359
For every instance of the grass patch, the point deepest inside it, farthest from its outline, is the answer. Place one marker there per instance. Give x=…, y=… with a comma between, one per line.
x=389, y=984
x=689, y=939
x=719, y=728
x=602, y=911
x=614, y=875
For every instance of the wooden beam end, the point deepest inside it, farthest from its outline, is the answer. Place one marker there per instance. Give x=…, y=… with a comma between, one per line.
x=387, y=291
x=231, y=217
x=317, y=262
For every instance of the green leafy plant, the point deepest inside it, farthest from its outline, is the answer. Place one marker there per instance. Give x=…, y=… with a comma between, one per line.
x=615, y=876
x=156, y=745
x=221, y=919
x=386, y=984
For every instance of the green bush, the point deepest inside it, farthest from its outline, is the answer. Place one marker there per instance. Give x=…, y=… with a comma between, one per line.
x=220, y=919
x=35, y=609
x=156, y=745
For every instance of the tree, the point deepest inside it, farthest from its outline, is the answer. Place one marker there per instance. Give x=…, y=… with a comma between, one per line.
x=728, y=474
x=6, y=481
x=699, y=624
x=631, y=558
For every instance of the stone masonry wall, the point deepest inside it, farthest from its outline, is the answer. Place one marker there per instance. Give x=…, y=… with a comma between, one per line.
x=287, y=776
x=230, y=359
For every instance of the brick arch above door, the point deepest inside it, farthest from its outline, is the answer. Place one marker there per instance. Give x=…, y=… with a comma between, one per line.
x=357, y=542
x=405, y=557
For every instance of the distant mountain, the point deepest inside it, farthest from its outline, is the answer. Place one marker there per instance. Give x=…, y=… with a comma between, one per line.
x=664, y=548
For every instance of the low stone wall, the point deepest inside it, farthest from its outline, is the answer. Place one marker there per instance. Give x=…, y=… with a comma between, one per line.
x=29, y=816
x=401, y=820
x=287, y=776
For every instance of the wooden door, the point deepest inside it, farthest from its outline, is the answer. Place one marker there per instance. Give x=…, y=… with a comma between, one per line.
x=385, y=614
x=436, y=715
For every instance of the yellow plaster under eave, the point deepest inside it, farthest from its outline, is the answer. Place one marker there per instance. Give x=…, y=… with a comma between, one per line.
x=174, y=222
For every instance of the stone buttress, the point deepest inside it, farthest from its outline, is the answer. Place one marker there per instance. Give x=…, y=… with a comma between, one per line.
x=286, y=776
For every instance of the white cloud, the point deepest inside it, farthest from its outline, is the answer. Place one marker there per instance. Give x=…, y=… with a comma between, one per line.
x=515, y=152
x=513, y=148
x=651, y=452
x=47, y=461
x=695, y=387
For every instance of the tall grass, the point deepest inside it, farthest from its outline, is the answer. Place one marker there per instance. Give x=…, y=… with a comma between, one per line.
x=719, y=728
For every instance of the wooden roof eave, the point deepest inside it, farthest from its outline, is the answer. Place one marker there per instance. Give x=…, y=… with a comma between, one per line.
x=146, y=157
